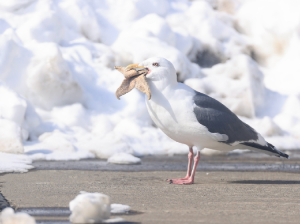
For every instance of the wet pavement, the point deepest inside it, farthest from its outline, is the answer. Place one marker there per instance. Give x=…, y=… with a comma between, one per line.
x=239, y=188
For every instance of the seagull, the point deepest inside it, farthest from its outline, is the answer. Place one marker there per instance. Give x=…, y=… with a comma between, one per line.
x=195, y=119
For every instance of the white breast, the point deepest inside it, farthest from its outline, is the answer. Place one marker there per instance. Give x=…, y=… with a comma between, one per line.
x=172, y=111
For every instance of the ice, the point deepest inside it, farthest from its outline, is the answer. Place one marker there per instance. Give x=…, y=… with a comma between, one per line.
x=89, y=208
x=8, y=216
x=119, y=208
x=123, y=158
x=57, y=82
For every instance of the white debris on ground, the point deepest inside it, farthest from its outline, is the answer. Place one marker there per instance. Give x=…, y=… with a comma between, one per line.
x=94, y=208
x=123, y=158
x=89, y=208
x=119, y=208
x=57, y=80
x=8, y=216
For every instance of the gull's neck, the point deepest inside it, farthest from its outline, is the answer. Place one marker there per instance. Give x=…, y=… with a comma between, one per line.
x=161, y=89
x=161, y=85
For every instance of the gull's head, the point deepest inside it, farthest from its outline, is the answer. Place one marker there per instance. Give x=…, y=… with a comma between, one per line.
x=161, y=72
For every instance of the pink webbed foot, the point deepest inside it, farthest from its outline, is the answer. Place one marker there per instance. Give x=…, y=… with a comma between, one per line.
x=182, y=181
x=189, y=178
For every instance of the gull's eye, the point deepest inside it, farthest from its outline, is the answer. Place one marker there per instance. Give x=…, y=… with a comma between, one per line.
x=155, y=64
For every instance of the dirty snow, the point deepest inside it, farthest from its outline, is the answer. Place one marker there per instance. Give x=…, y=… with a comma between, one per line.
x=57, y=80
x=94, y=208
x=89, y=208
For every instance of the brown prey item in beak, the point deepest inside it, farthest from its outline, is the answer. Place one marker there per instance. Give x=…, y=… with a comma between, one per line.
x=135, y=76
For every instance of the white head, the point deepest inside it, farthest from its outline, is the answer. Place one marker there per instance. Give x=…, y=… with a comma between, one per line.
x=161, y=72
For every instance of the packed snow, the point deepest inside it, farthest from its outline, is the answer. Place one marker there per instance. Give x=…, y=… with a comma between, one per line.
x=8, y=216
x=57, y=80
x=94, y=208
x=14, y=163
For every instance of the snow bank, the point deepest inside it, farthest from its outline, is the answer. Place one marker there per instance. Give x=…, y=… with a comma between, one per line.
x=274, y=33
x=154, y=32
x=8, y=216
x=238, y=84
x=215, y=32
x=57, y=79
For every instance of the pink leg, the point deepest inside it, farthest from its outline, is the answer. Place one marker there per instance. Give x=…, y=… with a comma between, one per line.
x=190, y=180
x=189, y=169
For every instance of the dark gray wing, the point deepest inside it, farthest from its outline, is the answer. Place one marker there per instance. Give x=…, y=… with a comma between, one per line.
x=219, y=119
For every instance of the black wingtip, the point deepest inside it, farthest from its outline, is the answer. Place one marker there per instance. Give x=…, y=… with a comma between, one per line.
x=269, y=147
x=281, y=154
x=284, y=155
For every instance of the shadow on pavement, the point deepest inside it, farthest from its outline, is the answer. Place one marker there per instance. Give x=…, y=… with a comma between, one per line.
x=58, y=212
x=67, y=222
x=264, y=182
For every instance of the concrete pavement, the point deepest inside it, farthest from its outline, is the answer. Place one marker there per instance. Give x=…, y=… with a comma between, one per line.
x=216, y=197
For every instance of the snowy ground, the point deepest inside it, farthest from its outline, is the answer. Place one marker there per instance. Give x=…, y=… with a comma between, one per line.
x=57, y=81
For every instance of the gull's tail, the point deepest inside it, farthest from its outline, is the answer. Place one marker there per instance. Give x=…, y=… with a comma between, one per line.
x=269, y=149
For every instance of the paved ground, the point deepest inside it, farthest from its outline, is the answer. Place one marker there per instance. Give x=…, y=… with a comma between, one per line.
x=216, y=197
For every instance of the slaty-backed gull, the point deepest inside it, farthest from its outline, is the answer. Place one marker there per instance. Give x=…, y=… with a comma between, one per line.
x=195, y=119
